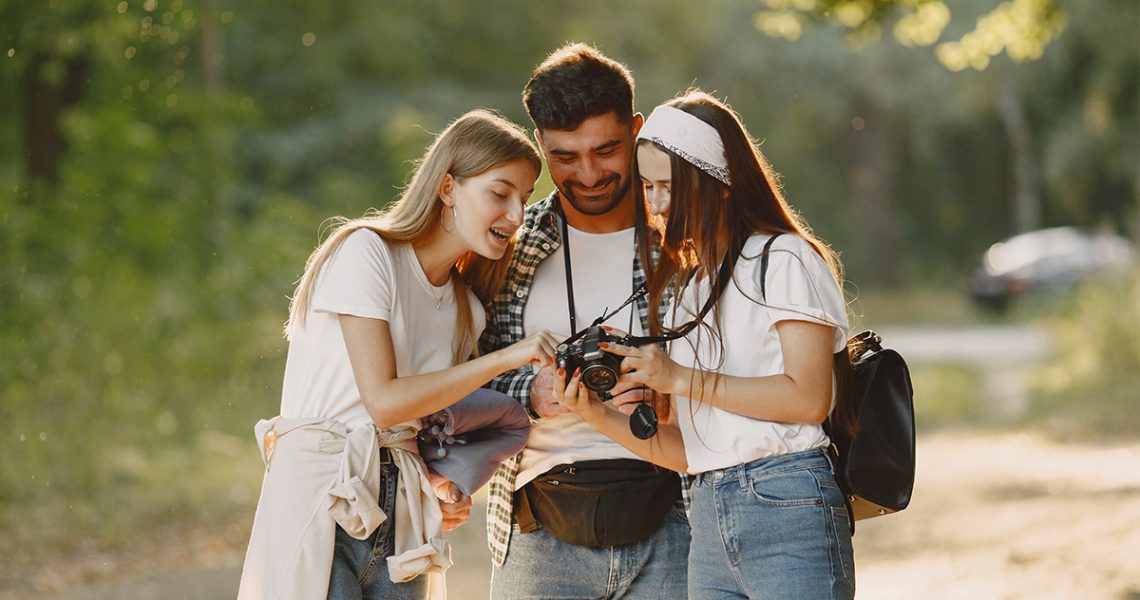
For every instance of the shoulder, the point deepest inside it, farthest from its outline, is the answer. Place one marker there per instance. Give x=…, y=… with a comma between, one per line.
x=786, y=248
x=363, y=237
x=785, y=242
x=537, y=214
x=789, y=256
x=363, y=255
x=366, y=244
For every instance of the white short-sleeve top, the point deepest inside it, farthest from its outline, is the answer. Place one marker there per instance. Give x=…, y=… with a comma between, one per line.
x=799, y=286
x=367, y=276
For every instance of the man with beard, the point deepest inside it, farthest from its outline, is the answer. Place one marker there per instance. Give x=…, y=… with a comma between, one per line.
x=576, y=515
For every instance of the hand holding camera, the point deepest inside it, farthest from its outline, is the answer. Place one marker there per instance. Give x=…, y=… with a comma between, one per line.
x=595, y=358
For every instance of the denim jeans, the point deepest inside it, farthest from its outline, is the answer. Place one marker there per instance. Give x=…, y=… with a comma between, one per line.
x=540, y=566
x=773, y=528
x=360, y=567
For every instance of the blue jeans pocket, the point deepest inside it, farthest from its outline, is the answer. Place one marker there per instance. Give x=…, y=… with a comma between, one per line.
x=787, y=489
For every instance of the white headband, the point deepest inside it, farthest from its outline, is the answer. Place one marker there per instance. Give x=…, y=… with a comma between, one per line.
x=688, y=137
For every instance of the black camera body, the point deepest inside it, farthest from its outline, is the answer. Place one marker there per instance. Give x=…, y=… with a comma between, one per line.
x=600, y=371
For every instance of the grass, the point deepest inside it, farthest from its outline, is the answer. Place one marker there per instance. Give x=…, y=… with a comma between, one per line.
x=946, y=395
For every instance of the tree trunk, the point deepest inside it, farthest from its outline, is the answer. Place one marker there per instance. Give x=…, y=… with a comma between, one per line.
x=1026, y=197
x=212, y=56
x=872, y=185
x=44, y=104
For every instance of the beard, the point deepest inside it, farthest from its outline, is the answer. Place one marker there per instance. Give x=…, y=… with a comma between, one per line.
x=595, y=205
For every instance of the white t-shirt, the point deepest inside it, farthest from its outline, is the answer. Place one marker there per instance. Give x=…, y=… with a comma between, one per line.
x=368, y=276
x=602, y=265
x=799, y=287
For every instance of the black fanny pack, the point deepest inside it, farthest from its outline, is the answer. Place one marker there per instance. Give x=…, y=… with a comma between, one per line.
x=599, y=502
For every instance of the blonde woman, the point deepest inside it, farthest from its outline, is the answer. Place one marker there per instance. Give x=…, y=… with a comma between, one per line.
x=379, y=331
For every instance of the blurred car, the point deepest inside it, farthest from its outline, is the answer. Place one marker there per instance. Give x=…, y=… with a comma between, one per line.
x=1048, y=259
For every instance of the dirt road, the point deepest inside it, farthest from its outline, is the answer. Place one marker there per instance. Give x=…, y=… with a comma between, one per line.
x=994, y=515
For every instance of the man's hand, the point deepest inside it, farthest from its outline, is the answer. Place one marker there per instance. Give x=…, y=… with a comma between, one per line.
x=456, y=507
x=542, y=399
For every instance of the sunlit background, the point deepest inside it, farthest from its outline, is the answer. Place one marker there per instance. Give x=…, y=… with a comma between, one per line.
x=166, y=165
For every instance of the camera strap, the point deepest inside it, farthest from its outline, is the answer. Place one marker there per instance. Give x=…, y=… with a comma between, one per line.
x=641, y=290
x=574, y=333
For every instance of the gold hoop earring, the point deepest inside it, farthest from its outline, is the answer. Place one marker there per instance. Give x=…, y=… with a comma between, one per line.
x=443, y=220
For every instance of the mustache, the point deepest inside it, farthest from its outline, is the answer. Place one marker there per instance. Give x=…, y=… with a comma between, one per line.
x=574, y=183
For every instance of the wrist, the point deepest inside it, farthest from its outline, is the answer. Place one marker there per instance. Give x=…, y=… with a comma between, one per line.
x=593, y=412
x=528, y=402
x=679, y=382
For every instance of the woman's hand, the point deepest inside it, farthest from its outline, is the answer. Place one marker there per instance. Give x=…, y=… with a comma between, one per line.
x=648, y=365
x=454, y=504
x=537, y=349
x=575, y=397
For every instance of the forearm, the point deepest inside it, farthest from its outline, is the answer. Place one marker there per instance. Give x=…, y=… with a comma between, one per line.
x=781, y=398
x=411, y=397
x=666, y=449
x=515, y=383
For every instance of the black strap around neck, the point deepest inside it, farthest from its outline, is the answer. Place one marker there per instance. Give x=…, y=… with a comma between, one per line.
x=569, y=271
x=570, y=282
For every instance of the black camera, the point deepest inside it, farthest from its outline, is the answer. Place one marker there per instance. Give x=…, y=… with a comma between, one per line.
x=600, y=370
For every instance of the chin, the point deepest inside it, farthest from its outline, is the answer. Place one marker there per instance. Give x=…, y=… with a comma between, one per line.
x=491, y=253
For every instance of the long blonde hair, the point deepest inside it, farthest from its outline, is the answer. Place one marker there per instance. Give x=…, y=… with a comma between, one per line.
x=473, y=143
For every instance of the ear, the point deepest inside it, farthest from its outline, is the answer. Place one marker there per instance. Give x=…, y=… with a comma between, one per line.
x=447, y=189
x=638, y=121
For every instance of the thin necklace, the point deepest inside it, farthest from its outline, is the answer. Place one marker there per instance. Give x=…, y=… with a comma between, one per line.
x=438, y=299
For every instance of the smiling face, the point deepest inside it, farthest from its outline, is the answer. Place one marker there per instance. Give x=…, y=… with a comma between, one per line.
x=590, y=165
x=487, y=208
x=656, y=171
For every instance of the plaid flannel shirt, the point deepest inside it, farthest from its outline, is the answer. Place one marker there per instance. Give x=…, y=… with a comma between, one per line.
x=538, y=239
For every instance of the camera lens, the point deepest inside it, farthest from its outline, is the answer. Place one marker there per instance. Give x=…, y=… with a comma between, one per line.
x=599, y=378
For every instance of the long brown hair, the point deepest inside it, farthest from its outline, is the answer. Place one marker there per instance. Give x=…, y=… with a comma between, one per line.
x=709, y=223
x=473, y=143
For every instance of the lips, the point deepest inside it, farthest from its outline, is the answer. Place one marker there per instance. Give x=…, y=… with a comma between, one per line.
x=501, y=235
x=597, y=190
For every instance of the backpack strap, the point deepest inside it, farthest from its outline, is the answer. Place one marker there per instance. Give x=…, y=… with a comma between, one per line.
x=764, y=265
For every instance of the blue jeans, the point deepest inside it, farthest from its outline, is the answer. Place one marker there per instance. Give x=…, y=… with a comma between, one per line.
x=773, y=528
x=542, y=567
x=360, y=567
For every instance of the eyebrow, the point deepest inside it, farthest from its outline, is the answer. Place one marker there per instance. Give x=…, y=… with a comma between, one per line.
x=644, y=178
x=605, y=146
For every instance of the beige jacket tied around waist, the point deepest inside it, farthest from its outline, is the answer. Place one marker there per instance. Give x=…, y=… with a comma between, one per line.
x=319, y=474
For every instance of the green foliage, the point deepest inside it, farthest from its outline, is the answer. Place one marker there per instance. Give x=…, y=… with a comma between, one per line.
x=946, y=396
x=142, y=294
x=1019, y=28
x=1090, y=388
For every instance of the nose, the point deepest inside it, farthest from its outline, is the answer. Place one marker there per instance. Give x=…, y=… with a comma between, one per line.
x=515, y=213
x=658, y=202
x=590, y=173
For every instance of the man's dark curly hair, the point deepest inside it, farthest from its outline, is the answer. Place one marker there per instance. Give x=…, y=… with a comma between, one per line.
x=574, y=83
